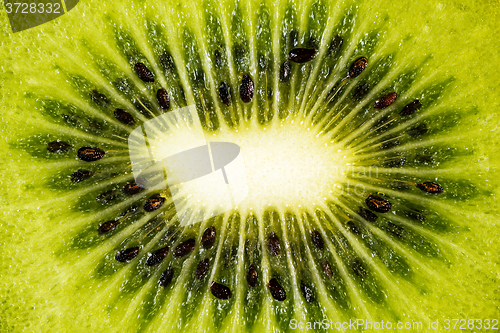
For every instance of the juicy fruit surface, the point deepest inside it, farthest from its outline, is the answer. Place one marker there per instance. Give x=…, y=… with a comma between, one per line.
x=315, y=252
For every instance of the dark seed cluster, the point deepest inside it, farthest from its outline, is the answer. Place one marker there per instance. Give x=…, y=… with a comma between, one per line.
x=153, y=203
x=124, y=117
x=220, y=291
x=273, y=244
x=208, y=238
x=107, y=227
x=163, y=99
x=132, y=188
x=157, y=256
x=90, y=154
x=143, y=72
x=202, y=269
x=301, y=55
x=385, y=101
x=357, y=67
x=277, y=291
x=184, y=248
x=246, y=88
x=430, y=187
x=127, y=254
x=317, y=240
x=378, y=204
x=252, y=276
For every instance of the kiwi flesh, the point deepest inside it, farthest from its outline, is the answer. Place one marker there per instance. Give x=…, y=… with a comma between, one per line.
x=370, y=147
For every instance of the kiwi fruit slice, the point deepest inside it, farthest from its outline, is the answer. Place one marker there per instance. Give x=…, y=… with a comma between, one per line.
x=370, y=143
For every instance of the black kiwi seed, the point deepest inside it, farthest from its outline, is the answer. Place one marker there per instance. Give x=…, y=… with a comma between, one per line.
x=273, y=244
x=202, y=269
x=184, y=248
x=153, y=203
x=163, y=99
x=98, y=98
x=335, y=45
x=367, y=215
x=430, y=187
x=80, y=175
x=124, y=117
x=307, y=292
x=143, y=72
x=357, y=67
x=317, y=240
x=385, y=101
x=352, y=227
x=132, y=188
x=90, y=154
x=225, y=93
x=58, y=146
x=166, y=277
x=358, y=268
x=418, y=130
x=327, y=269
x=157, y=256
x=127, y=254
x=276, y=290
x=252, y=276
x=208, y=238
x=378, y=204
x=246, y=88
x=396, y=230
x=301, y=55
x=285, y=71
x=107, y=227
x=106, y=197
x=411, y=108
x=220, y=291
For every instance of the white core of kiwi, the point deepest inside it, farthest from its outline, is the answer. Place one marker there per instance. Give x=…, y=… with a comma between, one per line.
x=286, y=164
